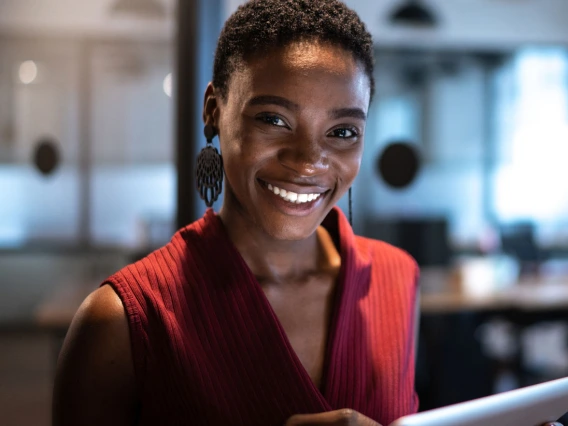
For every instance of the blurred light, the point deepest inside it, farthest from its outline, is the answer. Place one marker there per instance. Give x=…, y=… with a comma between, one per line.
x=28, y=72
x=536, y=133
x=168, y=85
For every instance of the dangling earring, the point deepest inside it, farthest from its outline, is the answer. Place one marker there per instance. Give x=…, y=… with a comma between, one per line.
x=209, y=169
x=350, y=209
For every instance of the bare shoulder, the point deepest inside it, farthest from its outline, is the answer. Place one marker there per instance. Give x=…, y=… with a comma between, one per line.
x=95, y=382
x=103, y=303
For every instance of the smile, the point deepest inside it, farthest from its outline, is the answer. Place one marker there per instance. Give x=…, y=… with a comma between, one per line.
x=293, y=197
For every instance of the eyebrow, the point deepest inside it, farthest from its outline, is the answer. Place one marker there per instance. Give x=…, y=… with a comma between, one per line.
x=285, y=103
x=348, y=112
x=274, y=100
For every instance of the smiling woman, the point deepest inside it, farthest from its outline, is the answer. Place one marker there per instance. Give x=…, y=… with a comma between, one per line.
x=271, y=311
x=281, y=125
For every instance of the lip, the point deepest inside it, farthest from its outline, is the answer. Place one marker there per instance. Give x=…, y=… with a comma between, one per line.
x=293, y=209
x=294, y=187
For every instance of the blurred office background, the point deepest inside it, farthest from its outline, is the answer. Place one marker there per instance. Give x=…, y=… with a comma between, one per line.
x=99, y=123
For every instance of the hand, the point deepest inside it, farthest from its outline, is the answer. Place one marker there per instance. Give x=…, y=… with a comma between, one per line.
x=552, y=424
x=343, y=417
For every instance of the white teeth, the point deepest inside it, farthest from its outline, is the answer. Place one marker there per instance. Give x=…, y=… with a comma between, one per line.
x=292, y=196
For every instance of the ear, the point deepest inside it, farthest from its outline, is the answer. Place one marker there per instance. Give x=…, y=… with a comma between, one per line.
x=210, y=106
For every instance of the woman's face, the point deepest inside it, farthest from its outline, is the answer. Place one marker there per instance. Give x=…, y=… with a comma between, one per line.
x=291, y=134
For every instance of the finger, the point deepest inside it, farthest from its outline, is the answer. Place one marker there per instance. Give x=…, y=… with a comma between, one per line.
x=343, y=417
x=338, y=417
x=552, y=424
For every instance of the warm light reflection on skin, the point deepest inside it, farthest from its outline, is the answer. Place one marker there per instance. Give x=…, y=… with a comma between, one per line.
x=309, y=56
x=28, y=72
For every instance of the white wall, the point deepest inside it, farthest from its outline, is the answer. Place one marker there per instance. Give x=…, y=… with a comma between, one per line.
x=463, y=22
x=500, y=23
x=130, y=133
x=475, y=23
x=80, y=17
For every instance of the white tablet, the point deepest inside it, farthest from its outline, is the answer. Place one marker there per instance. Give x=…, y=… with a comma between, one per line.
x=529, y=406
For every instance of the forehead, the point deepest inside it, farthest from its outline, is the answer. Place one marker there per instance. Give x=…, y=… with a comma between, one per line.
x=311, y=55
x=305, y=65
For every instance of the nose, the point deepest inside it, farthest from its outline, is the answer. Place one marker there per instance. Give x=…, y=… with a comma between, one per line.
x=304, y=156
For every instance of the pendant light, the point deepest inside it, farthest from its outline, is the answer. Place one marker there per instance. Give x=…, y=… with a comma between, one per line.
x=413, y=13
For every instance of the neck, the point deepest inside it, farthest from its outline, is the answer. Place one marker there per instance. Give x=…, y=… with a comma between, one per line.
x=276, y=261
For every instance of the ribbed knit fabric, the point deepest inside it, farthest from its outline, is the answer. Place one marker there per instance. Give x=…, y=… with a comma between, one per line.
x=209, y=350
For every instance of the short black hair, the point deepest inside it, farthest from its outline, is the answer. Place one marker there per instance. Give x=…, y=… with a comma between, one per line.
x=260, y=25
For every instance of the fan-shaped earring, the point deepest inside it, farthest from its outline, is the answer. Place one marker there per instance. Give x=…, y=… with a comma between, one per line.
x=209, y=170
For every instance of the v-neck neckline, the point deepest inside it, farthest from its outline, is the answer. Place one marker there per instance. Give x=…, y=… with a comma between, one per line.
x=335, y=223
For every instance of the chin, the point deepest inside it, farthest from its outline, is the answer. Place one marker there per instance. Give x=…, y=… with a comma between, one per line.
x=288, y=230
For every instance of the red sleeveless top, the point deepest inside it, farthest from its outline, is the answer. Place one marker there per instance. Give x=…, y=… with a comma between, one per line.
x=209, y=350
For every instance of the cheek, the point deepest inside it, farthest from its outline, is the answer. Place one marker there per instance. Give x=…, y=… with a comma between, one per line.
x=245, y=147
x=242, y=157
x=349, y=165
x=240, y=151
x=230, y=140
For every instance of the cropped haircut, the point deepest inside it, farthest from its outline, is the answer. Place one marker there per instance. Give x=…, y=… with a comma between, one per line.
x=260, y=26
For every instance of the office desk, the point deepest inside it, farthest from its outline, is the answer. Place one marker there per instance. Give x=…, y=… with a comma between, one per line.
x=54, y=314
x=57, y=311
x=451, y=351
x=439, y=295
x=449, y=317
x=525, y=296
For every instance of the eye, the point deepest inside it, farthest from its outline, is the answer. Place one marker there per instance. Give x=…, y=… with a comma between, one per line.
x=272, y=119
x=344, y=133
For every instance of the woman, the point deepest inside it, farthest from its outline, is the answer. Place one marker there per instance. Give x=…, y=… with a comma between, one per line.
x=272, y=311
